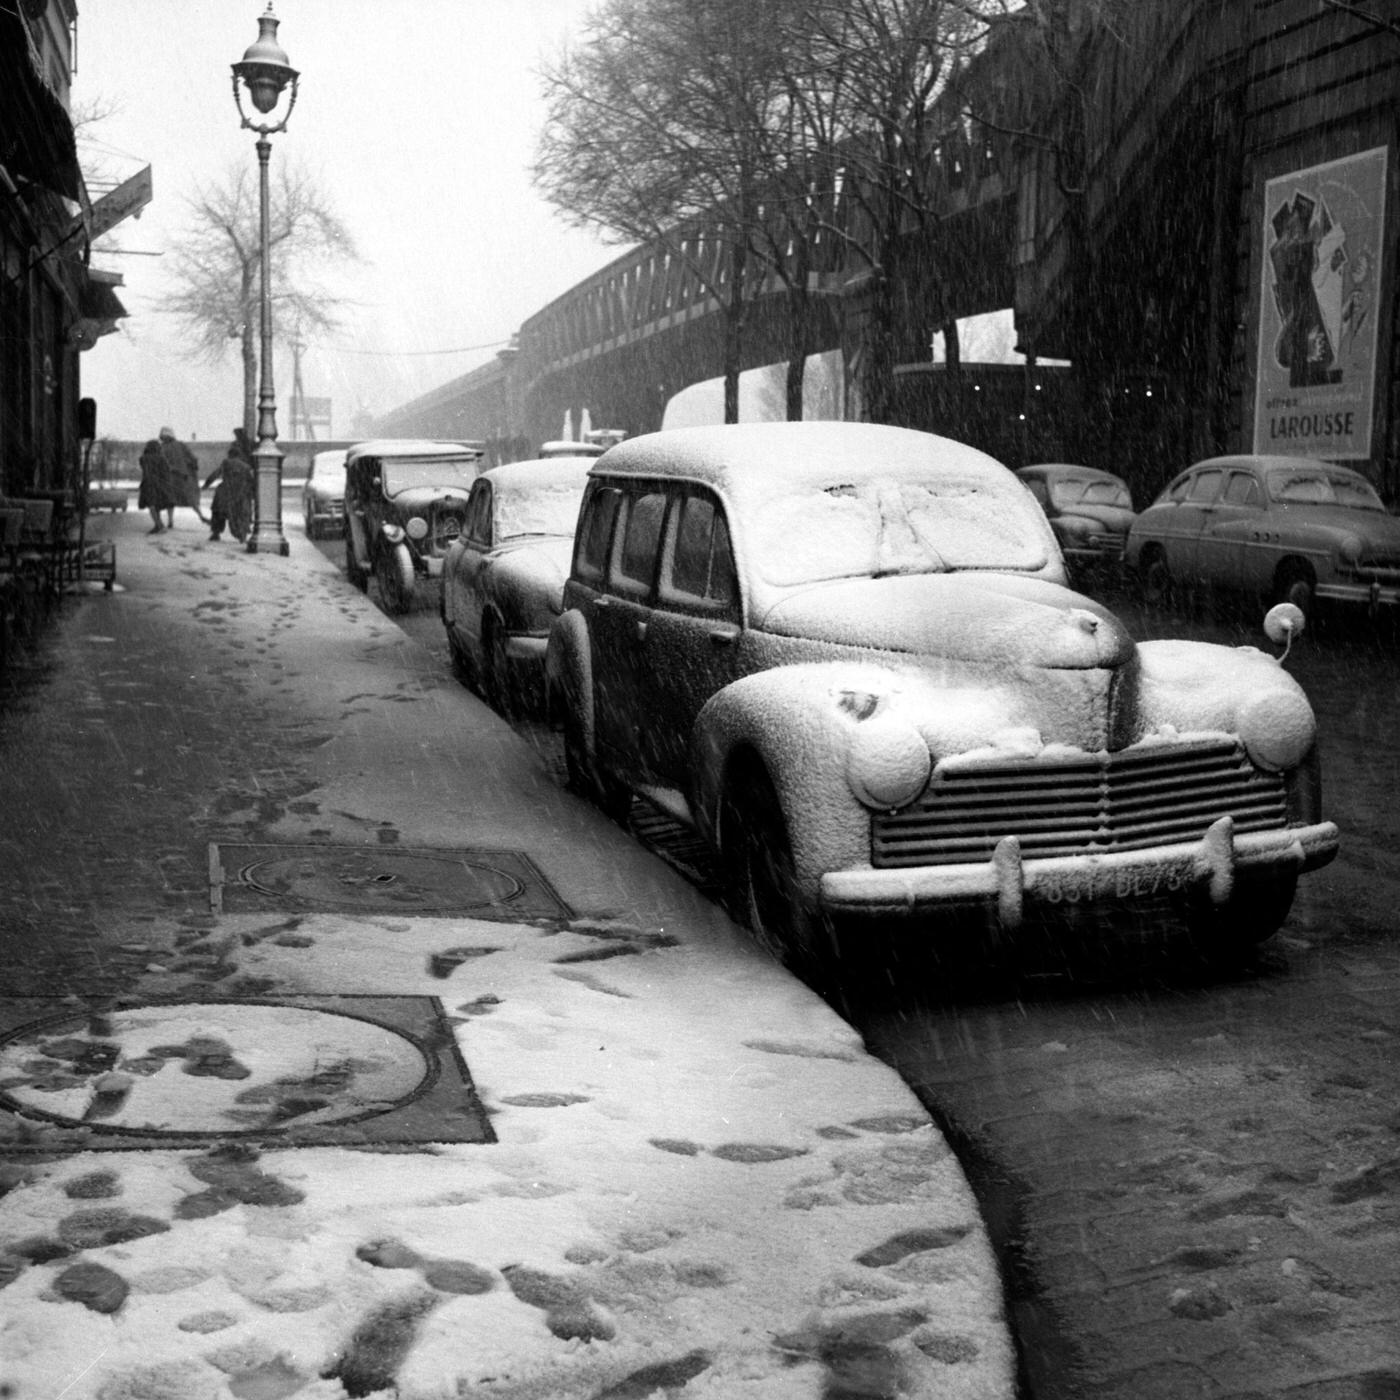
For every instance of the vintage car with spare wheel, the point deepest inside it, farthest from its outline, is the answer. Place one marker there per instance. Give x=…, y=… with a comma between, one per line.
x=848, y=656
x=503, y=579
x=1288, y=529
x=404, y=504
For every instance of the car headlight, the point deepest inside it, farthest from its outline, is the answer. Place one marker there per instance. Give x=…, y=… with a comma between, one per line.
x=417, y=528
x=888, y=762
x=393, y=533
x=1277, y=729
x=1351, y=549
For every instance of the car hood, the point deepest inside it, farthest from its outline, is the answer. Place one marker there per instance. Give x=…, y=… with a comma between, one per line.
x=979, y=618
x=1376, y=529
x=1114, y=519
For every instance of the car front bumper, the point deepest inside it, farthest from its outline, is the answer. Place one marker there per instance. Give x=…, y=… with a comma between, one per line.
x=1372, y=595
x=1209, y=865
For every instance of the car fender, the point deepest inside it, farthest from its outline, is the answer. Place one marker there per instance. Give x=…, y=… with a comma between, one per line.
x=447, y=600
x=791, y=719
x=568, y=670
x=502, y=587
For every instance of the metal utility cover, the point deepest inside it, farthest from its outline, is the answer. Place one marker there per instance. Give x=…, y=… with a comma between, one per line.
x=291, y=1071
x=475, y=881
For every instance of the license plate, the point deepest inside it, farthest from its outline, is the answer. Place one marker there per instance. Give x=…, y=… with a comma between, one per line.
x=1089, y=883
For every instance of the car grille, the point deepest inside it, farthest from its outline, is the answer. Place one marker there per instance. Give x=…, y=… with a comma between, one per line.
x=447, y=525
x=1121, y=801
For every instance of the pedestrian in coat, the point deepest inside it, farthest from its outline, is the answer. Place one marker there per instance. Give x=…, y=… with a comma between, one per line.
x=184, y=473
x=155, y=494
x=233, y=497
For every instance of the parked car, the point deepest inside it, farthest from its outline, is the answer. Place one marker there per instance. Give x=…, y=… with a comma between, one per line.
x=1288, y=528
x=1089, y=510
x=323, y=495
x=847, y=655
x=404, y=505
x=503, y=579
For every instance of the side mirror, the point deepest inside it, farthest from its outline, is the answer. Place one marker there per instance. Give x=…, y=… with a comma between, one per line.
x=1282, y=623
x=87, y=419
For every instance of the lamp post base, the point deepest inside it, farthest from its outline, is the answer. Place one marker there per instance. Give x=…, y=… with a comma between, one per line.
x=267, y=536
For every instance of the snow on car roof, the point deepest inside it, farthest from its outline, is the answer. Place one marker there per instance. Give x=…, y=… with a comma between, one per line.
x=411, y=447
x=757, y=461
x=1069, y=468
x=541, y=473
x=1273, y=463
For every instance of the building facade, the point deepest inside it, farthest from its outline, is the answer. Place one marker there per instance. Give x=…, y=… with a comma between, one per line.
x=52, y=303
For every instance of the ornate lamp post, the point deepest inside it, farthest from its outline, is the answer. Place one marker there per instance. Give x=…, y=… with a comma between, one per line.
x=265, y=72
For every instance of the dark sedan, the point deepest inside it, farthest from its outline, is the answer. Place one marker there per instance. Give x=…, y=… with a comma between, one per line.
x=503, y=579
x=1089, y=510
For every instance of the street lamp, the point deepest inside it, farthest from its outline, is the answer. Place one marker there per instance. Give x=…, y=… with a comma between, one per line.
x=265, y=72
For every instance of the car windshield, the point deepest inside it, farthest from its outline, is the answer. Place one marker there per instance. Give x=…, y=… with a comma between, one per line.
x=548, y=510
x=881, y=527
x=401, y=473
x=1316, y=488
x=1073, y=491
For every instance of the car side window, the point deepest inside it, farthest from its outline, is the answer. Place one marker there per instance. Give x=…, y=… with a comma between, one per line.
x=1038, y=489
x=595, y=533
x=1205, y=486
x=701, y=574
x=478, y=523
x=1177, y=490
x=1243, y=490
x=635, y=564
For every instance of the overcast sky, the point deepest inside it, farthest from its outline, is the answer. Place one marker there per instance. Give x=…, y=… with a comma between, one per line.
x=418, y=116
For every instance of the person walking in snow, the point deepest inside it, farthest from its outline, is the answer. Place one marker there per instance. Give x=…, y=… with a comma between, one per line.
x=233, y=497
x=184, y=474
x=155, y=494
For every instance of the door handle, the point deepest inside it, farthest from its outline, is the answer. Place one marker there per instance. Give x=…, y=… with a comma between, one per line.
x=602, y=601
x=723, y=636
x=641, y=631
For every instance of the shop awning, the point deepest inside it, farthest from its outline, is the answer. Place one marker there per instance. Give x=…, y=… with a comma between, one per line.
x=36, y=133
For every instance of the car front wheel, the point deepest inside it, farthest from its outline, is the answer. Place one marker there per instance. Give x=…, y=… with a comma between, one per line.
x=1254, y=913
x=1295, y=585
x=761, y=877
x=499, y=682
x=396, y=579
x=1156, y=579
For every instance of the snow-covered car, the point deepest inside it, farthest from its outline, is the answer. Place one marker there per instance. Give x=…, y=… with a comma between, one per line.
x=405, y=501
x=1089, y=510
x=1289, y=528
x=503, y=579
x=323, y=494
x=848, y=656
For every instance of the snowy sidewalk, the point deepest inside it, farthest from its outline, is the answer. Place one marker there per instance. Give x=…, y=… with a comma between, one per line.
x=699, y=1184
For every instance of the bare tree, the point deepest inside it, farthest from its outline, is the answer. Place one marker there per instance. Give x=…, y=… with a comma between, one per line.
x=656, y=130
x=215, y=270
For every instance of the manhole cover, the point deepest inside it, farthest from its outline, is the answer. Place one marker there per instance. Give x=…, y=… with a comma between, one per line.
x=308, y=1069
x=487, y=884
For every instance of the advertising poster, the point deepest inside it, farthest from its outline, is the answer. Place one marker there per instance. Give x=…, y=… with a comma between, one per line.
x=1319, y=308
